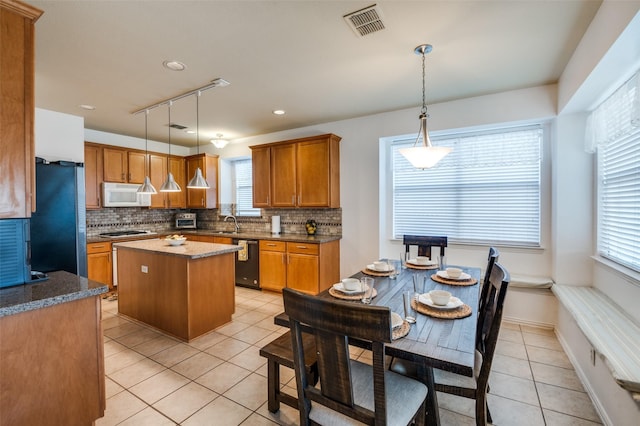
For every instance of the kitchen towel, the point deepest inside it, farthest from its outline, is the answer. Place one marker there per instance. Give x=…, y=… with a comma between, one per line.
x=275, y=224
x=243, y=255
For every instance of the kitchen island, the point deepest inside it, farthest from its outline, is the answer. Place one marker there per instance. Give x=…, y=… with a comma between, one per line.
x=185, y=291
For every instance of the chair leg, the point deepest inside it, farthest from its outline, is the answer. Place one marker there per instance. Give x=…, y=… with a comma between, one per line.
x=489, y=419
x=481, y=409
x=273, y=385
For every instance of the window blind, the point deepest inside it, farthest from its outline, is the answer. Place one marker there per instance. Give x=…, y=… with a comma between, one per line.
x=487, y=191
x=244, y=188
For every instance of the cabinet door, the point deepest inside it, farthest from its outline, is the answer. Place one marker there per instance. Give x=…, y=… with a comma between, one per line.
x=136, y=162
x=283, y=175
x=157, y=174
x=100, y=268
x=273, y=272
x=203, y=198
x=93, y=176
x=177, y=199
x=312, y=170
x=223, y=240
x=302, y=272
x=261, y=174
x=115, y=165
x=196, y=198
x=201, y=238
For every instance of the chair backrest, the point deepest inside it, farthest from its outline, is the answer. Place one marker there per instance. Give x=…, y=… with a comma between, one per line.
x=494, y=254
x=497, y=291
x=333, y=323
x=424, y=243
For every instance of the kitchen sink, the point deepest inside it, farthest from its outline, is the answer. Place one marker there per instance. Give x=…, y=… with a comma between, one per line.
x=227, y=233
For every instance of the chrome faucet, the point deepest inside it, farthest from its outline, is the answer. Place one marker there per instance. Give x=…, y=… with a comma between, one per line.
x=235, y=221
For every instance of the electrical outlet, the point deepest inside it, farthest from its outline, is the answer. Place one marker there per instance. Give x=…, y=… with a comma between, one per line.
x=144, y=269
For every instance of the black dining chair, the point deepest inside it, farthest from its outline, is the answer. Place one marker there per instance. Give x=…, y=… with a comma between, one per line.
x=493, y=257
x=349, y=391
x=474, y=387
x=424, y=244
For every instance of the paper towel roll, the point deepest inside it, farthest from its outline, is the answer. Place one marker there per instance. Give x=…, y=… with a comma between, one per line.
x=275, y=224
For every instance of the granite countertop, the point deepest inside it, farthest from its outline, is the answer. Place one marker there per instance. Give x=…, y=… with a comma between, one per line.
x=190, y=249
x=61, y=287
x=295, y=238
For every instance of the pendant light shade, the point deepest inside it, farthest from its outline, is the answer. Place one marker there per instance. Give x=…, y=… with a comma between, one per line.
x=198, y=181
x=146, y=187
x=170, y=184
x=426, y=155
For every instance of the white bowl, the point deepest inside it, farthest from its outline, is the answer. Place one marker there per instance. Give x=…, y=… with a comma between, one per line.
x=176, y=241
x=380, y=266
x=422, y=260
x=440, y=297
x=351, y=284
x=454, y=272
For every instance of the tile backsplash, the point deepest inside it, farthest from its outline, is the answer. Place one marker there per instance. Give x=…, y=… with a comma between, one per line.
x=292, y=221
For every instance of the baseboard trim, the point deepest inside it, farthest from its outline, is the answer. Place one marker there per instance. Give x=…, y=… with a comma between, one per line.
x=528, y=322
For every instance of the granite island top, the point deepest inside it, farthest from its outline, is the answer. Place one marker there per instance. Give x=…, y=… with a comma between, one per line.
x=242, y=235
x=190, y=249
x=61, y=287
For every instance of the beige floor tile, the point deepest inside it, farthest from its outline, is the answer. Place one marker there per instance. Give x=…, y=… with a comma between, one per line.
x=538, y=330
x=111, y=388
x=457, y=404
x=197, y=365
x=562, y=377
x=158, y=386
x=219, y=412
x=268, y=324
x=228, y=348
x=513, y=366
x=507, y=412
x=111, y=347
x=122, y=330
x=184, y=402
x=223, y=377
x=109, y=323
x=509, y=325
x=542, y=341
x=119, y=408
x=269, y=338
x=250, y=392
x=567, y=401
x=515, y=350
x=137, y=337
x=147, y=417
x=253, y=317
x=252, y=335
x=136, y=373
x=249, y=359
x=231, y=328
x=510, y=335
x=450, y=418
x=554, y=418
x=156, y=345
x=512, y=387
x=271, y=309
x=173, y=355
x=258, y=420
x=120, y=360
x=206, y=341
x=548, y=356
x=286, y=416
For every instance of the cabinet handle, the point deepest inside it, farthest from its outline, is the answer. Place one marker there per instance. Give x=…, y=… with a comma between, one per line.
x=293, y=200
x=100, y=246
x=283, y=259
x=123, y=176
x=271, y=245
x=299, y=199
x=302, y=247
x=267, y=200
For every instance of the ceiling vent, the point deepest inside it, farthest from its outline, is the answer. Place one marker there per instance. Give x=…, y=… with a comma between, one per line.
x=365, y=21
x=177, y=126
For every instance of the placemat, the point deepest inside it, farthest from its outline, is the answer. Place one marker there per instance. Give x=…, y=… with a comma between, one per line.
x=401, y=331
x=461, y=312
x=421, y=267
x=340, y=295
x=438, y=278
x=376, y=273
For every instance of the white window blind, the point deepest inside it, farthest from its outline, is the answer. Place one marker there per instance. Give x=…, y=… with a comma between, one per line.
x=486, y=191
x=618, y=154
x=244, y=188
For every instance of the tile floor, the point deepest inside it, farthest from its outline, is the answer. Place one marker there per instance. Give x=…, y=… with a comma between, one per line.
x=220, y=379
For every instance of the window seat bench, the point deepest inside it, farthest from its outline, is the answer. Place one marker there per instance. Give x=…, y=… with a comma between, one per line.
x=614, y=335
x=529, y=281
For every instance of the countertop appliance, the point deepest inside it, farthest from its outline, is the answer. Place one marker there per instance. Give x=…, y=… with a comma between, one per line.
x=186, y=220
x=123, y=195
x=248, y=264
x=58, y=226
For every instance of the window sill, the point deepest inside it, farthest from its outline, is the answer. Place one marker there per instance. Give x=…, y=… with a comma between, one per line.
x=628, y=274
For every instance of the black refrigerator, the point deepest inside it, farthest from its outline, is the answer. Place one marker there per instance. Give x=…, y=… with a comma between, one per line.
x=58, y=226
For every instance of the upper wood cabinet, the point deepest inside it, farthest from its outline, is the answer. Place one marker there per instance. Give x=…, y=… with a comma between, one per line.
x=17, y=162
x=203, y=198
x=93, y=175
x=159, y=165
x=297, y=173
x=177, y=167
x=122, y=165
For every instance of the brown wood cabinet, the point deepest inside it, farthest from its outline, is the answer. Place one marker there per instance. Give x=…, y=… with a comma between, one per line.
x=297, y=173
x=123, y=165
x=17, y=198
x=203, y=198
x=93, y=175
x=159, y=165
x=177, y=200
x=307, y=267
x=100, y=263
x=209, y=239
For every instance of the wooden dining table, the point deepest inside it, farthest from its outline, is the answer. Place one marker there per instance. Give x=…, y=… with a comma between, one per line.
x=446, y=344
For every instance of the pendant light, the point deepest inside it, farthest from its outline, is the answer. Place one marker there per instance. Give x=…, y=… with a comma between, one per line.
x=170, y=185
x=146, y=187
x=198, y=181
x=426, y=155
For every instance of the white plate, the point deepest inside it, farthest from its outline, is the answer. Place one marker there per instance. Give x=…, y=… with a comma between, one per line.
x=396, y=320
x=454, y=302
x=421, y=263
x=341, y=289
x=463, y=276
x=385, y=268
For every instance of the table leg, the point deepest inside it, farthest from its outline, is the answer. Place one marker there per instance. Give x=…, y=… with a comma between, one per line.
x=433, y=415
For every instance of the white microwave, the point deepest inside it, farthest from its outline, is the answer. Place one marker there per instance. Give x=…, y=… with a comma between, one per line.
x=123, y=195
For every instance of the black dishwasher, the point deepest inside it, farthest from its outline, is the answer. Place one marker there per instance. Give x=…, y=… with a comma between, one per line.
x=247, y=265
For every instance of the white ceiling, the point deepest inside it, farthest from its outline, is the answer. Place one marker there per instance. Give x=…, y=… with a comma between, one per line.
x=299, y=56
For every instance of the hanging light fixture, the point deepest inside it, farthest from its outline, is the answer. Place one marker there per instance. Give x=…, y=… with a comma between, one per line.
x=198, y=181
x=218, y=142
x=146, y=187
x=170, y=185
x=426, y=155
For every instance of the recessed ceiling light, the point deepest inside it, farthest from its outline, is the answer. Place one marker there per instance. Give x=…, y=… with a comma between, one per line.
x=174, y=65
x=87, y=107
x=191, y=132
x=278, y=112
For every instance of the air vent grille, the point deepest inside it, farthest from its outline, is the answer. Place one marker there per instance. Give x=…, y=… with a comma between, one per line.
x=177, y=126
x=365, y=21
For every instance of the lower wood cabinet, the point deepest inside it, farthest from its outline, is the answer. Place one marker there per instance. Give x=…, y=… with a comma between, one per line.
x=100, y=263
x=209, y=239
x=307, y=267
